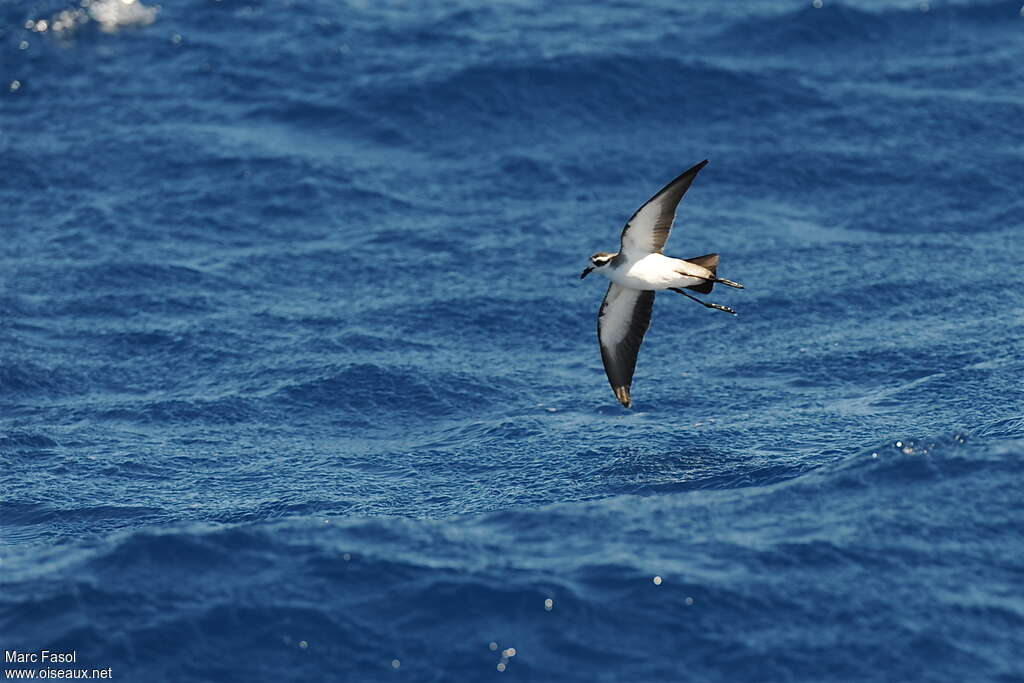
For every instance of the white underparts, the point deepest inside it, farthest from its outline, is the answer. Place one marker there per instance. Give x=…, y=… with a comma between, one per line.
x=656, y=271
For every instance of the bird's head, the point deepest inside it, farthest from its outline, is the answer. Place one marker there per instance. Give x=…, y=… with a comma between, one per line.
x=597, y=261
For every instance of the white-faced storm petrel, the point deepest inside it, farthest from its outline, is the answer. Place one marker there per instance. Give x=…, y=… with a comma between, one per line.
x=637, y=271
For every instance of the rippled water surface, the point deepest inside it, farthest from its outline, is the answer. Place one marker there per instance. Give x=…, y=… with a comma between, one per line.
x=298, y=380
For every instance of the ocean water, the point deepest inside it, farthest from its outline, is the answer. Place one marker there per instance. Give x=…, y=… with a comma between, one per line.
x=298, y=380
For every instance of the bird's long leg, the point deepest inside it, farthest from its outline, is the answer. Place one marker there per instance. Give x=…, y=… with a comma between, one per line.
x=717, y=280
x=706, y=304
x=723, y=281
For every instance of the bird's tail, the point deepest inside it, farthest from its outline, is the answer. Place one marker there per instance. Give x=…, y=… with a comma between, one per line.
x=710, y=261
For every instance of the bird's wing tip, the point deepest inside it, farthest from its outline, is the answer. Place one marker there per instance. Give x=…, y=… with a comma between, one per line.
x=622, y=393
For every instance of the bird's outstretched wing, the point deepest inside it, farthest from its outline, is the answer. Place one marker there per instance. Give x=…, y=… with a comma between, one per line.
x=648, y=229
x=621, y=324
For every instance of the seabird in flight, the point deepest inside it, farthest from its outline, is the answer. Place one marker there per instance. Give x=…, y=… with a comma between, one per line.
x=637, y=271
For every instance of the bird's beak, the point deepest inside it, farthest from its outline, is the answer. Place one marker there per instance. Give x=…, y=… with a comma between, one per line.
x=586, y=272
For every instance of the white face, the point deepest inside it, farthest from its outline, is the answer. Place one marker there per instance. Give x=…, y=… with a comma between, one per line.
x=598, y=260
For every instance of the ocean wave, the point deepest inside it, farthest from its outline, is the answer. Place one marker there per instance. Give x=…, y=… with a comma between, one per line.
x=900, y=462
x=116, y=304
x=365, y=388
x=24, y=514
x=19, y=438
x=1004, y=428
x=231, y=409
x=331, y=117
x=487, y=319
x=831, y=26
x=25, y=379
x=138, y=274
x=584, y=90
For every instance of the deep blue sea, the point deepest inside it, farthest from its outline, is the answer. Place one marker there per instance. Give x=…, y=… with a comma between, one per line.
x=299, y=381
